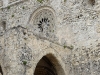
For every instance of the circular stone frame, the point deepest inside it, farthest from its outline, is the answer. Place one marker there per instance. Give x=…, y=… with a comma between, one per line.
x=42, y=22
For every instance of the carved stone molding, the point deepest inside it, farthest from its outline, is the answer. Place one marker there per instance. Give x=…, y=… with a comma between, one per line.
x=43, y=22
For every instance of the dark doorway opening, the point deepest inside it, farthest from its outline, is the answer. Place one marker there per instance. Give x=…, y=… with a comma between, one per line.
x=45, y=67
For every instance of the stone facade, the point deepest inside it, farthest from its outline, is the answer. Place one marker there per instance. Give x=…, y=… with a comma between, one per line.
x=67, y=32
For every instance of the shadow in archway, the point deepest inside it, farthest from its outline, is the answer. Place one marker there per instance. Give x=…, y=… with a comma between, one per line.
x=48, y=65
x=45, y=67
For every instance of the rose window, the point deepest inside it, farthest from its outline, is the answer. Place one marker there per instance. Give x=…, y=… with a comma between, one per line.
x=43, y=23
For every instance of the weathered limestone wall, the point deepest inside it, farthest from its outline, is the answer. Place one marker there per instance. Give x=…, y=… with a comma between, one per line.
x=76, y=41
x=22, y=46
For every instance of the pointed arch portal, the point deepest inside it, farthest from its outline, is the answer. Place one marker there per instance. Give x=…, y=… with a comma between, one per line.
x=48, y=65
x=45, y=67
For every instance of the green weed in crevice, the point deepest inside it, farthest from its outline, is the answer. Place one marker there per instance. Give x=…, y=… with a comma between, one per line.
x=65, y=0
x=8, y=7
x=24, y=62
x=40, y=1
x=12, y=15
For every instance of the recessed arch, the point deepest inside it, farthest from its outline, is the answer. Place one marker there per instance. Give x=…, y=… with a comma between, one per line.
x=49, y=64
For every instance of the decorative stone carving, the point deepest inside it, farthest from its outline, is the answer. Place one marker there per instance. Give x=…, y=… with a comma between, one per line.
x=43, y=23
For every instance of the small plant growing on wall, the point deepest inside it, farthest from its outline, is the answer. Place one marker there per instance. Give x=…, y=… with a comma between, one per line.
x=12, y=15
x=23, y=7
x=70, y=47
x=65, y=0
x=24, y=62
x=65, y=46
x=8, y=7
x=40, y=1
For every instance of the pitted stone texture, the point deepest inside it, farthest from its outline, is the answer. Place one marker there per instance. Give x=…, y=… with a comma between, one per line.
x=76, y=24
x=25, y=56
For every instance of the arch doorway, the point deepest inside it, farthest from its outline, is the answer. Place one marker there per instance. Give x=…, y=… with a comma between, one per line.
x=48, y=65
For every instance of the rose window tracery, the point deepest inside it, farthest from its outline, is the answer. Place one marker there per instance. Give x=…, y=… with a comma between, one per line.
x=43, y=23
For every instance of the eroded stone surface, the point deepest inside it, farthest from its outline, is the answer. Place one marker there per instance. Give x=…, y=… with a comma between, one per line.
x=69, y=31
